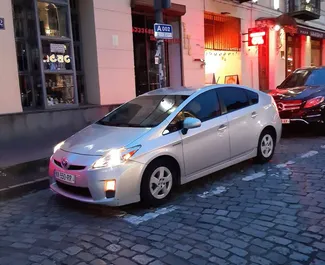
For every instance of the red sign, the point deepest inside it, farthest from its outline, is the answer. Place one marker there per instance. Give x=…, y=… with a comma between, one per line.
x=256, y=36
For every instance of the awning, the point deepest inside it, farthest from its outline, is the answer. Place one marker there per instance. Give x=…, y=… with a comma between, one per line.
x=147, y=6
x=287, y=22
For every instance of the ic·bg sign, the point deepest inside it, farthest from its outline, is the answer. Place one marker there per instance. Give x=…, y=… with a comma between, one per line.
x=256, y=36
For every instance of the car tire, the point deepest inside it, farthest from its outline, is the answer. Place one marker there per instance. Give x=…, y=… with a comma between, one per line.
x=266, y=147
x=158, y=182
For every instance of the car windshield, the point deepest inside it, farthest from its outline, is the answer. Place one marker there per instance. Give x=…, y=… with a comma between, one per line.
x=304, y=78
x=144, y=111
x=296, y=79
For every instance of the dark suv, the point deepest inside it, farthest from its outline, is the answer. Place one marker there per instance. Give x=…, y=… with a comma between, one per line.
x=300, y=97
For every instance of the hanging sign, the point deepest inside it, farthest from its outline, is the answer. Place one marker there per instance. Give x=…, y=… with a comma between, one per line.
x=2, y=23
x=311, y=33
x=163, y=31
x=57, y=48
x=256, y=36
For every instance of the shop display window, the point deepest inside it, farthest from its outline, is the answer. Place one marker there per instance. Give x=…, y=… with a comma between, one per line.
x=49, y=61
x=56, y=56
x=53, y=20
x=316, y=52
x=59, y=88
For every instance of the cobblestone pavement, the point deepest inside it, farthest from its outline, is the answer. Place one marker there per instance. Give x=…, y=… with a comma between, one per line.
x=247, y=214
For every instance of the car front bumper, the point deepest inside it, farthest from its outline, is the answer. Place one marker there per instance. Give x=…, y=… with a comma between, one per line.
x=89, y=185
x=303, y=117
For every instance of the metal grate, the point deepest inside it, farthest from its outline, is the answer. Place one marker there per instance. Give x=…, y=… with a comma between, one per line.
x=222, y=32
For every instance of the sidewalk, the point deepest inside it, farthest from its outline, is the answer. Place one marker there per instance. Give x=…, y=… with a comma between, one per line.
x=24, y=164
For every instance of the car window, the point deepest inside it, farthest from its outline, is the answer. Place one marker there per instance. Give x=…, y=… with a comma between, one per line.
x=204, y=107
x=233, y=98
x=316, y=78
x=144, y=111
x=296, y=79
x=252, y=97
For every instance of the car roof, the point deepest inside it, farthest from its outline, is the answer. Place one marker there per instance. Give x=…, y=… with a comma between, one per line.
x=310, y=68
x=184, y=91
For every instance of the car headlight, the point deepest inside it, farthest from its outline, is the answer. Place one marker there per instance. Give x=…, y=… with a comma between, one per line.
x=115, y=157
x=57, y=147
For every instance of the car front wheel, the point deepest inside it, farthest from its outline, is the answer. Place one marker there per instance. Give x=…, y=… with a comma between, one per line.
x=157, y=183
x=266, y=147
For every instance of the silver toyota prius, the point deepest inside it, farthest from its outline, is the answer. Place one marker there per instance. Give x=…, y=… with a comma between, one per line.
x=167, y=137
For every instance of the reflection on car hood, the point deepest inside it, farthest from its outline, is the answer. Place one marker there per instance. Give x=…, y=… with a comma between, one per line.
x=295, y=92
x=98, y=139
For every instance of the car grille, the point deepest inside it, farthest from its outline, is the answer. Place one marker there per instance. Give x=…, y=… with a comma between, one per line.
x=289, y=105
x=71, y=167
x=84, y=192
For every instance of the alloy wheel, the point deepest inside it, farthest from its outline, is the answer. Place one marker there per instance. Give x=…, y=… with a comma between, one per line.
x=267, y=145
x=161, y=182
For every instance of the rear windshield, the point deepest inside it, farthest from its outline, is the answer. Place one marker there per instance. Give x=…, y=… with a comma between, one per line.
x=145, y=111
x=304, y=78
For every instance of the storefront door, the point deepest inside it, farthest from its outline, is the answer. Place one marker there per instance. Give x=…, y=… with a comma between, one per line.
x=144, y=45
x=293, y=53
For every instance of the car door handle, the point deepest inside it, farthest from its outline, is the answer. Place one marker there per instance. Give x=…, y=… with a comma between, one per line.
x=222, y=128
x=254, y=115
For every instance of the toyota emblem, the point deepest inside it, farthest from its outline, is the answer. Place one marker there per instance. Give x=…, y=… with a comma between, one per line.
x=64, y=163
x=280, y=106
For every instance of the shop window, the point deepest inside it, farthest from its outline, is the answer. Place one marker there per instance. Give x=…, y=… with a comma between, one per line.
x=53, y=20
x=221, y=32
x=57, y=56
x=46, y=53
x=316, y=52
x=59, y=89
x=27, y=52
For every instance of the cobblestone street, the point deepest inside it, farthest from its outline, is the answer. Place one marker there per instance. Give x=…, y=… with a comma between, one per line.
x=247, y=214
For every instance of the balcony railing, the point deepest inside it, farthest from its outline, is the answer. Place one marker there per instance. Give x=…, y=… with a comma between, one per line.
x=304, y=9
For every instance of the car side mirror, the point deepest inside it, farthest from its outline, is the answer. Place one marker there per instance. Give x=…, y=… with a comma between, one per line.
x=190, y=123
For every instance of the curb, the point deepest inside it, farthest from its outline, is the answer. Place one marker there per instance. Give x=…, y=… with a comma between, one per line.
x=24, y=188
x=20, y=179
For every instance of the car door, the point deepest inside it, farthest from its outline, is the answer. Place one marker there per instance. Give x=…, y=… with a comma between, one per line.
x=207, y=145
x=240, y=105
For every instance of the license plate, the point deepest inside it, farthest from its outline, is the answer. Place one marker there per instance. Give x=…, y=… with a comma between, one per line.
x=65, y=177
x=285, y=121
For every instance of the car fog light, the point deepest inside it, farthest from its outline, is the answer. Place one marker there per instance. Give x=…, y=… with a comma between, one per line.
x=110, y=185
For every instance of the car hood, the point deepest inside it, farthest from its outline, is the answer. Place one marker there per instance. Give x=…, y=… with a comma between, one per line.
x=98, y=139
x=293, y=93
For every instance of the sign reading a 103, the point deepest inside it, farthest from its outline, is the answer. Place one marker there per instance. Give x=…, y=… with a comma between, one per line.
x=163, y=31
x=256, y=36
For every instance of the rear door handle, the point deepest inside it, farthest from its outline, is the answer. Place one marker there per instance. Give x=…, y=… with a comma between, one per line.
x=222, y=128
x=254, y=115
